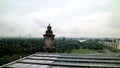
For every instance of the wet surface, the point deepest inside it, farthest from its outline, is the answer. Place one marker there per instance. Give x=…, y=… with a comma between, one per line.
x=52, y=60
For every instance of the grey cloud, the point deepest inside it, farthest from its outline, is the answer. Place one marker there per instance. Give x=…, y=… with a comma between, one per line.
x=28, y=5
x=115, y=16
x=82, y=10
x=40, y=23
x=19, y=9
x=115, y=22
x=7, y=26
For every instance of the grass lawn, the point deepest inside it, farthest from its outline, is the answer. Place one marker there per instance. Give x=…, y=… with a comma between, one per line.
x=84, y=51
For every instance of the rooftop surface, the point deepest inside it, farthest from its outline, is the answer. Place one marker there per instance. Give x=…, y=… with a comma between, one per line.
x=59, y=60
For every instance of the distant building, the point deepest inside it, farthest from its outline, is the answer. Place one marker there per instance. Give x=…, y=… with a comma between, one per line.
x=49, y=40
x=81, y=40
x=112, y=43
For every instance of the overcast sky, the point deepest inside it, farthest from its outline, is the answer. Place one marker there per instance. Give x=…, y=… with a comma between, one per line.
x=68, y=18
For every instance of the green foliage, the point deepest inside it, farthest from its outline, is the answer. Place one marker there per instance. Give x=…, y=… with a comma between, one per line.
x=66, y=46
x=8, y=58
x=12, y=48
x=69, y=45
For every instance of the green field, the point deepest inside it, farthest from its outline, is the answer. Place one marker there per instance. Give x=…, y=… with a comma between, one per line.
x=84, y=51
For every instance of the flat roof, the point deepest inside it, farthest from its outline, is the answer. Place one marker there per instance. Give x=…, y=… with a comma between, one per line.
x=60, y=60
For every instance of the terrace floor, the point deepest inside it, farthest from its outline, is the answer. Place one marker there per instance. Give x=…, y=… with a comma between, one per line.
x=60, y=60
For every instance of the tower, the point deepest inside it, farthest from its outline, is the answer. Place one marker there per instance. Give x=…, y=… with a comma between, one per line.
x=49, y=40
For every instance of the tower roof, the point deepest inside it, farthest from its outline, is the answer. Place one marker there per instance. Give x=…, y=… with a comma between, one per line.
x=49, y=31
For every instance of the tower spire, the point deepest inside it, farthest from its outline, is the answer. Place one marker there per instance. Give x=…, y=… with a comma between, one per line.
x=49, y=27
x=49, y=24
x=49, y=40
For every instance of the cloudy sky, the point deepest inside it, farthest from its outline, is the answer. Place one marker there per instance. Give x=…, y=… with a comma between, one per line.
x=69, y=18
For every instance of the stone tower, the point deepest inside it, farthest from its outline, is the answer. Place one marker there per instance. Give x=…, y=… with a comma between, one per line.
x=49, y=40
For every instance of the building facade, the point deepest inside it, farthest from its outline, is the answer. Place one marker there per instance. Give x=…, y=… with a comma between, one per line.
x=115, y=43
x=49, y=40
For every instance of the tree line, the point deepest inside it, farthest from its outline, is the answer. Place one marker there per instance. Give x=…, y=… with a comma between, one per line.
x=12, y=48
